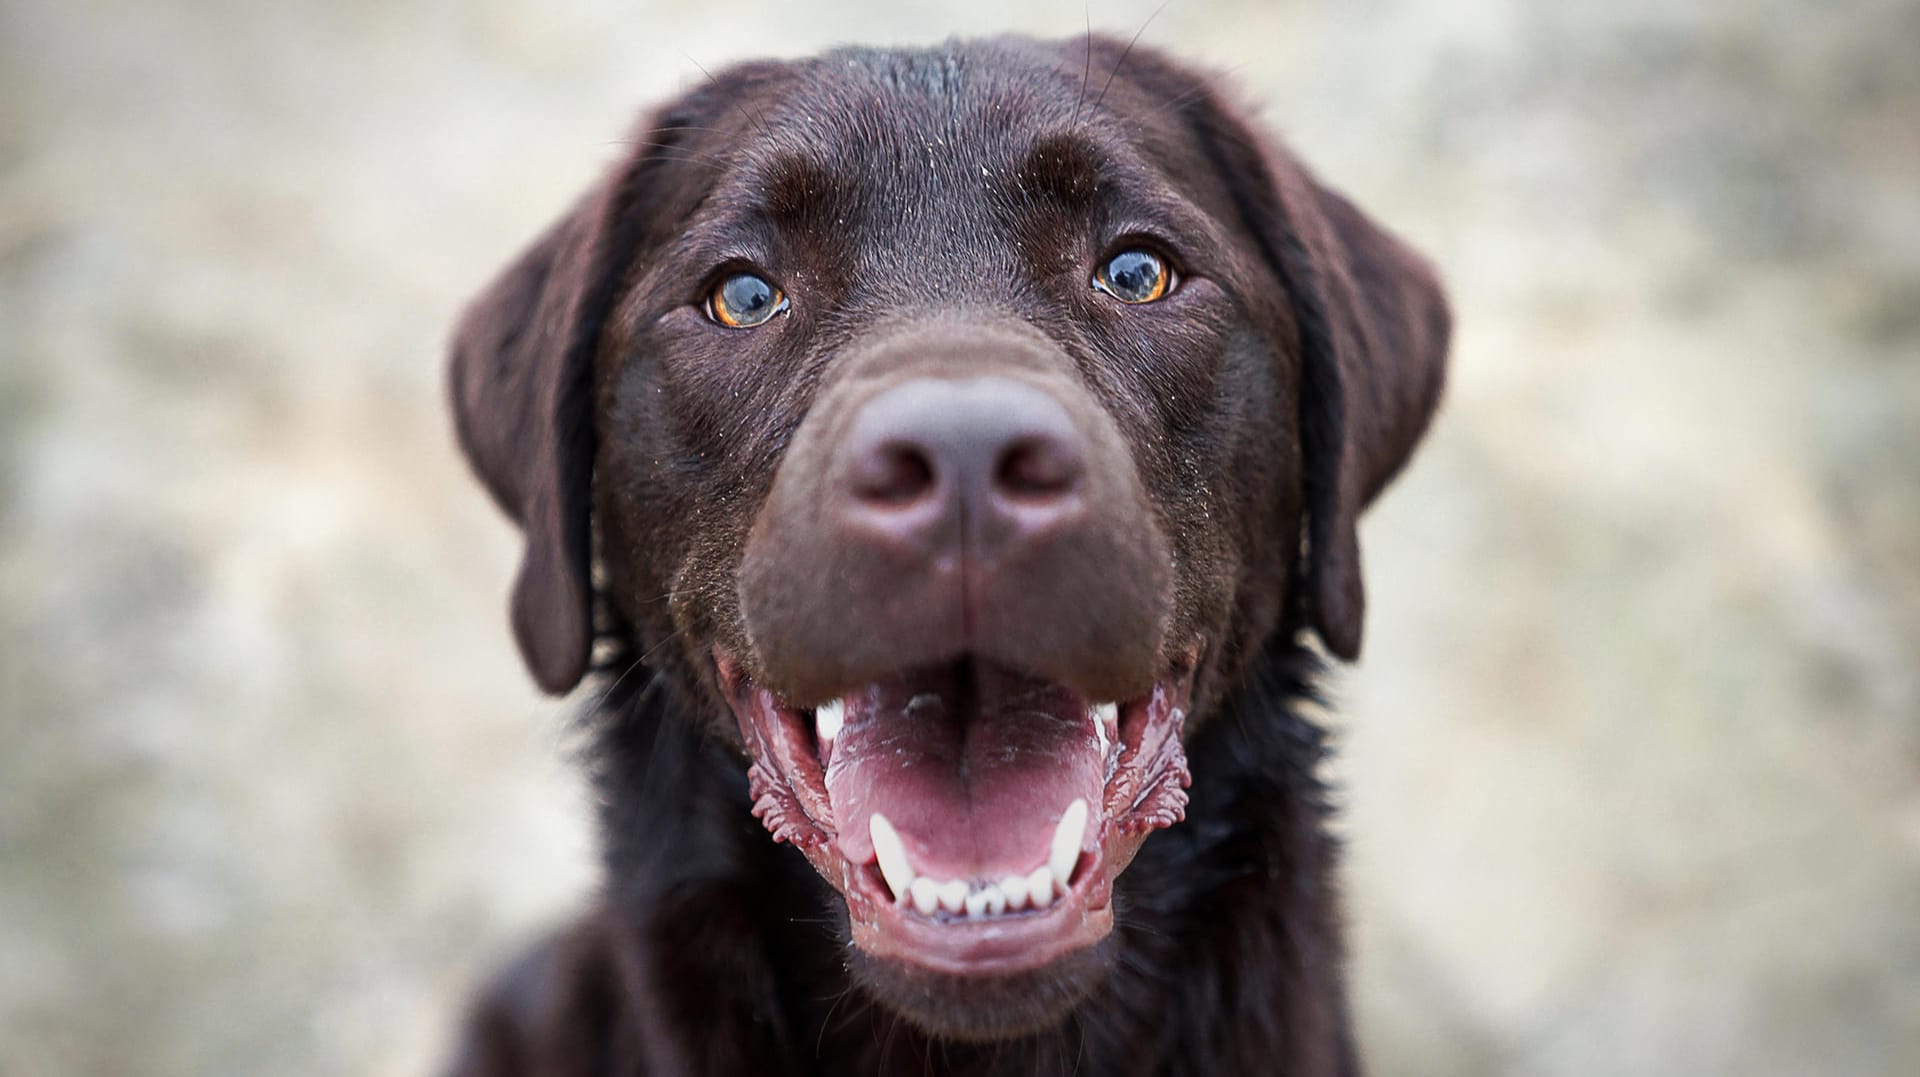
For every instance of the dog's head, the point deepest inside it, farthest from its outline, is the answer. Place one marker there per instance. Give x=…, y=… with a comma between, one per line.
x=955, y=428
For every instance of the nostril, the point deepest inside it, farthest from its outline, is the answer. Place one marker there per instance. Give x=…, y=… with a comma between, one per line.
x=896, y=473
x=1037, y=468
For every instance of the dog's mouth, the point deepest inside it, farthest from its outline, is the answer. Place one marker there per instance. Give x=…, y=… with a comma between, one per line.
x=974, y=818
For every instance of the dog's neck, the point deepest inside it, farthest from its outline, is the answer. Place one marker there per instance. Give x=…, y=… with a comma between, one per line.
x=1230, y=953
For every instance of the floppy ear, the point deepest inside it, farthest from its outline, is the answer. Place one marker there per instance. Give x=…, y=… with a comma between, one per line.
x=1373, y=326
x=521, y=364
x=521, y=376
x=521, y=384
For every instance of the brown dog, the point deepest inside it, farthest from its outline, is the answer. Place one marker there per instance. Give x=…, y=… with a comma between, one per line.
x=948, y=451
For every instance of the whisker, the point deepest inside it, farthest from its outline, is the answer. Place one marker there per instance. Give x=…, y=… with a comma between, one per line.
x=737, y=106
x=1173, y=104
x=673, y=151
x=1124, y=53
x=1086, y=71
x=594, y=710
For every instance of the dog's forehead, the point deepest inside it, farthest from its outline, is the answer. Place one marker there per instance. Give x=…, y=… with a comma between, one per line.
x=963, y=119
x=983, y=94
x=886, y=155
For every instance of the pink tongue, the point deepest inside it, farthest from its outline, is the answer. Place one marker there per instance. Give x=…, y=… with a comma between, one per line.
x=972, y=767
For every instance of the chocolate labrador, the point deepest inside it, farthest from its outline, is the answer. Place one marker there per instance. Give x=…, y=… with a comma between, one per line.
x=941, y=458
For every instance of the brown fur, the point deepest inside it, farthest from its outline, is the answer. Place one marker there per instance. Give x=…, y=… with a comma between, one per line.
x=943, y=199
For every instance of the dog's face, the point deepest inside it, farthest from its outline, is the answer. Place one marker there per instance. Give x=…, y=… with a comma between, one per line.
x=956, y=425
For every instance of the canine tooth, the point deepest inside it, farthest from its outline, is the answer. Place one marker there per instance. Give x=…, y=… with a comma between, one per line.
x=926, y=895
x=1106, y=716
x=996, y=900
x=1066, y=840
x=977, y=903
x=828, y=718
x=1040, y=887
x=892, y=855
x=1014, y=888
x=953, y=895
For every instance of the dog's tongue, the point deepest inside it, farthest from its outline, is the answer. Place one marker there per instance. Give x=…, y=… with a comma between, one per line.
x=972, y=766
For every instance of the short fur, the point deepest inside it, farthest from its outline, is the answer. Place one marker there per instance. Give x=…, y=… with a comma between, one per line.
x=594, y=406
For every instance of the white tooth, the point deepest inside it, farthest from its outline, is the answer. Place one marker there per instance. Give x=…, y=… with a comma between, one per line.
x=1066, y=840
x=892, y=855
x=1014, y=887
x=828, y=718
x=1106, y=716
x=1040, y=887
x=926, y=895
x=996, y=900
x=977, y=903
x=953, y=895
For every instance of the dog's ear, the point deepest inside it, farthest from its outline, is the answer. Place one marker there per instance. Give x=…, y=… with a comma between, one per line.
x=521, y=377
x=1373, y=328
x=521, y=359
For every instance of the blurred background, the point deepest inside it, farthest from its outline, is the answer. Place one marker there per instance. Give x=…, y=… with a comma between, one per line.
x=1631, y=770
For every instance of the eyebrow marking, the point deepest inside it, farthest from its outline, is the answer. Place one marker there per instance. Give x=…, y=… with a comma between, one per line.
x=1062, y=168
x=800, y=192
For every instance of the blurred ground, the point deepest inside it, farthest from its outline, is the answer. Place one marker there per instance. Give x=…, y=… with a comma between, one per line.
x=1633, y=762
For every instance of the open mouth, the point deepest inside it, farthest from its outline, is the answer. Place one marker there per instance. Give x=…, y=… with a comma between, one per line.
x=973, y=817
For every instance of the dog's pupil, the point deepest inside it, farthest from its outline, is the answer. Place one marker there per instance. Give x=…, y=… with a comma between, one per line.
x=1134, y=274
x=746, y=294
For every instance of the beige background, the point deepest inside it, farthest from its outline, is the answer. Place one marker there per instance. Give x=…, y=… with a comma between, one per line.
x=1632, y=766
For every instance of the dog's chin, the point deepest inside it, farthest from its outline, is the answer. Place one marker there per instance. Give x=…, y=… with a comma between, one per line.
x=984, y=1008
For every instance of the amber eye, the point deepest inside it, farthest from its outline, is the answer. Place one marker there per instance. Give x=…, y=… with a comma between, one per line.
x=1134, y=276
x=743, y=301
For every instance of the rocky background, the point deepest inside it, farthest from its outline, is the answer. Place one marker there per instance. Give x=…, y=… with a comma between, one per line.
x=1632, y=767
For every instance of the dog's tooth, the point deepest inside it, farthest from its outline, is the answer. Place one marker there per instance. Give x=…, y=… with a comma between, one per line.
x=1014, y=889
x=926, y=895
x=1040, y=887
x=1065, y=852
x=996, y=899
x=1106, y=725
x=828, y=718
x=953, y=895
x=977, y=903
x=892, y=855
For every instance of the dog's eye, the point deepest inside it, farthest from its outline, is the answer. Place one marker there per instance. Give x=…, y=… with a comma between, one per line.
x=1134, y=276
x=743, y=301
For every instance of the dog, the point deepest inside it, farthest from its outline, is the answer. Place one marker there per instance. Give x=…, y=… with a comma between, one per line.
x=942, y=460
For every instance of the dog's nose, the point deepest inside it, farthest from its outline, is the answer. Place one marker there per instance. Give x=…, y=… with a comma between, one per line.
x=932, y=463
